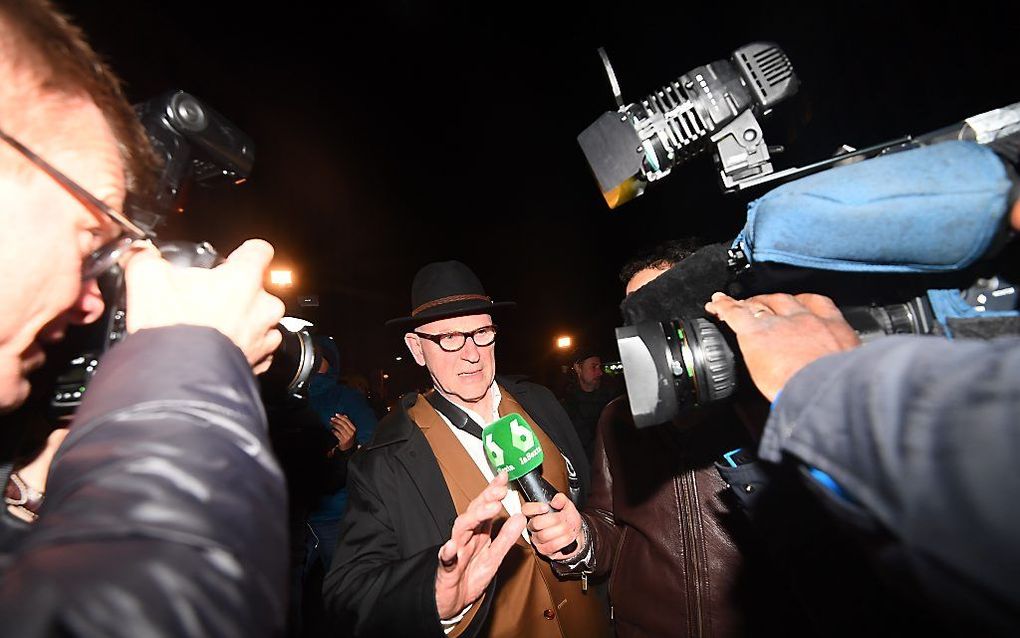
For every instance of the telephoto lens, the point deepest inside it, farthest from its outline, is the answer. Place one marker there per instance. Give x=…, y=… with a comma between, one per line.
x=672, y=366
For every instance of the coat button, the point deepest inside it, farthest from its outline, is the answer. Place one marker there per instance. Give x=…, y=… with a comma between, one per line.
x=549, y=614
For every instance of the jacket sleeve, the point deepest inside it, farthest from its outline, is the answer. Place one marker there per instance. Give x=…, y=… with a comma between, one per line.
x=920, y=437
x=165, y=511
x=371, y=588
x=598, y=513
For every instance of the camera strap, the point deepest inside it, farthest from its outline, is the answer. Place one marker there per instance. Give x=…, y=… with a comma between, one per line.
x=458, y=417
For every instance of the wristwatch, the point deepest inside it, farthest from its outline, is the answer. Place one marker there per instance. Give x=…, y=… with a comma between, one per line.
x=22, y=500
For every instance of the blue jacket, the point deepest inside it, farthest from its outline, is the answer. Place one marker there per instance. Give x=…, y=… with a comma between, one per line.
x=921, y=437
x=326, y=397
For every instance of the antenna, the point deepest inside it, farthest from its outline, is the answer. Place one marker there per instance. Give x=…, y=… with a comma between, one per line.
x=613, y=84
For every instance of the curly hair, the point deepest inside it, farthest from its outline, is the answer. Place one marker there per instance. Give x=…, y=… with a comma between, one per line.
x=660, y=257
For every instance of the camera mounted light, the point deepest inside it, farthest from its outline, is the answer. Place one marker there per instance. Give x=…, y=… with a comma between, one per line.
x=712, y=104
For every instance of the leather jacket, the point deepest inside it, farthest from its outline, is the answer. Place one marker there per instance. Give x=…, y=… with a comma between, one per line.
x=664, y=531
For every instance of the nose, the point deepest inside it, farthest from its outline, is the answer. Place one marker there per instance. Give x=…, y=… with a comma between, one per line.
x=89, y=305
x=469, y=352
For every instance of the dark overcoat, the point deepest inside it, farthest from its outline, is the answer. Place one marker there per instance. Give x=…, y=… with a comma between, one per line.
x=382, y=581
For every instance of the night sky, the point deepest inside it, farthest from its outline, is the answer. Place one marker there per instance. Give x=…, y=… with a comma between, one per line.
x=397, y=133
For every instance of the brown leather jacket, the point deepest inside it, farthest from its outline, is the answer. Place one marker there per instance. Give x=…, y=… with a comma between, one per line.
x=663, y=530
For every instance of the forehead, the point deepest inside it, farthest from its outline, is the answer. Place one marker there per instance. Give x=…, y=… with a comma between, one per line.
x=72, y=135
x=456, y=324
x=592, y=361
x=643, y=277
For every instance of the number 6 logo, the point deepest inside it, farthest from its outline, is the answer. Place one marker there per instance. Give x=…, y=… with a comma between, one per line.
x=521, y=436
x=495, y=451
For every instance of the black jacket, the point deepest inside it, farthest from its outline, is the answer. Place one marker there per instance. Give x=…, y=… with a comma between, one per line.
x=165, y=512
x=584, y=410
x=382, y=582
x=922, y=437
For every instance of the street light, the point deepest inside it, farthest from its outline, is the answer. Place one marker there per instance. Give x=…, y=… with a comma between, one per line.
x=564, y=343
x=282, y=278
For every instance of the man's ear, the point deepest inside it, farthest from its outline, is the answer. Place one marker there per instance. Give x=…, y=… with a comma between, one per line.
x=577, y=369
x=413, y=343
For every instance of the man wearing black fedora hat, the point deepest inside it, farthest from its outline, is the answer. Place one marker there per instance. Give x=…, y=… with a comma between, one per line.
x=433, y=544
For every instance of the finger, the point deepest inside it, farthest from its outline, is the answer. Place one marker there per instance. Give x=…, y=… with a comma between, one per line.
x=559, y=501
x=262, y=366
x=142, y=267
x=544, y=522
x=479, y=511
x=448, y=556
x=535, y=509
x=736, y=314
x=507, y=536
x=779, y=303
x=264, y=353
x=254, y=255
x=819, y=305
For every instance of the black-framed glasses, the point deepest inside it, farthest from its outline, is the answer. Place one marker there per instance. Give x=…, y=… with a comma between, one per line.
x=107, y=255
x=454, y=341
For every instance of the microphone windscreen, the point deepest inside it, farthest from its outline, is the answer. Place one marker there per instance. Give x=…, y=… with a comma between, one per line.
x=681, y=291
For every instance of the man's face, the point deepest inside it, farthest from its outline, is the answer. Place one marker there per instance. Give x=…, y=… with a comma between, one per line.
x=46, y=234
x=467, y=373
x=589, y=373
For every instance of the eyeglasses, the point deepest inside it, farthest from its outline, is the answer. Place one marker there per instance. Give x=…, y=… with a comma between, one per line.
x=454, y=341
x=107, y=255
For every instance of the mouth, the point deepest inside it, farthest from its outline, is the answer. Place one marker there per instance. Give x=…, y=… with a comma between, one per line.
x=473, y=373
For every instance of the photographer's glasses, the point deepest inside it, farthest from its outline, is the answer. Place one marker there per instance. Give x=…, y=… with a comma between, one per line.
x=454, y=341
x=107, y=255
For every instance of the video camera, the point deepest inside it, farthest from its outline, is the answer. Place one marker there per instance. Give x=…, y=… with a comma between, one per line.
x=902, y=234
x=197, y=145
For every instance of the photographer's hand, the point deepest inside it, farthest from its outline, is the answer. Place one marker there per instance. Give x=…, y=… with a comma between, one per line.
x=780, y=334
x=229, y=298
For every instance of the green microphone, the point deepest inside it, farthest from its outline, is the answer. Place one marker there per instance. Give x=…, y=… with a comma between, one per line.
x=511, y=445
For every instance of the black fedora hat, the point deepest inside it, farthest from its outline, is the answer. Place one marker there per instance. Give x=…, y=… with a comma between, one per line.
x=446, y=289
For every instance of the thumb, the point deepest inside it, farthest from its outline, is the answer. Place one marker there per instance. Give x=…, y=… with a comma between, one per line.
x=559, y=501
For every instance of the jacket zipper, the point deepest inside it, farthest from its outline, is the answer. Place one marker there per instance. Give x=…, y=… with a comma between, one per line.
x=694, y=577
x=615, y=571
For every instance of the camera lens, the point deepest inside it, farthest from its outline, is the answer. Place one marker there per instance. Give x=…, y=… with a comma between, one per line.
x=673, y=365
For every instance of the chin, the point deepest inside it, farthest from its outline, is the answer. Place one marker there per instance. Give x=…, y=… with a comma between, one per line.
x=473, y=390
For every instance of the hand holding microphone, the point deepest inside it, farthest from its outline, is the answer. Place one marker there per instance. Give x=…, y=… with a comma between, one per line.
x=555, y=524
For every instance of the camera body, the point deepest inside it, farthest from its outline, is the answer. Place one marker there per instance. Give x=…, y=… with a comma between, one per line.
x=196, y=145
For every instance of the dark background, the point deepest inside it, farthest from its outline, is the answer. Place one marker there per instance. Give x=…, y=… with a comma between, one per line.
x=393, y=134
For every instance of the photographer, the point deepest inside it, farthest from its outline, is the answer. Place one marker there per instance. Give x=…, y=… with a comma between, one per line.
x=163, y=512
x=910, y=441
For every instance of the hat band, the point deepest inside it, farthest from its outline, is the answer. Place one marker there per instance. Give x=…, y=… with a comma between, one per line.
x=445, y=300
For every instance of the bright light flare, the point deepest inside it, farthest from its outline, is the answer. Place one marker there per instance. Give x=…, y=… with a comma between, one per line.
x=564, y=342
x=283, y=278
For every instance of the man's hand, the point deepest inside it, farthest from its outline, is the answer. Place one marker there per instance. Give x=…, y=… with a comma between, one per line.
x=780, y=334
x=552, y=530
x=469, y=560
x=344, y=430
x=229, y=298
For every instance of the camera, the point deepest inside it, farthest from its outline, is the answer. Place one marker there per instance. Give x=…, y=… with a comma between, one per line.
x=675, y=365
x=197, y=145
x=904, y=240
